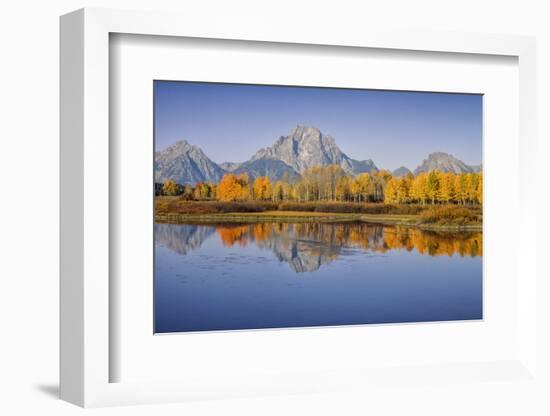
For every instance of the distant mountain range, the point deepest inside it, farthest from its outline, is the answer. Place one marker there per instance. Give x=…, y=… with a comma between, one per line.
x=185, y=163
x=445, y=163
x=400, y=172
x=290, y=156
x=229, y=166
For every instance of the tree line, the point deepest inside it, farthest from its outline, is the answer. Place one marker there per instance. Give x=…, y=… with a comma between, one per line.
x=331, y=183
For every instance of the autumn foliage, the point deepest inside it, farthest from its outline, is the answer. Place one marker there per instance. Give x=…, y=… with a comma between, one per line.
x=170, y=187
x=262, y=190
x=436, y=187
x=332, y=184
x=234, y=187
x=379, y=239
x=448, y=214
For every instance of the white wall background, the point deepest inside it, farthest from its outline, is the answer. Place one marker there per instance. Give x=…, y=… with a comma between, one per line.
x=29, y=207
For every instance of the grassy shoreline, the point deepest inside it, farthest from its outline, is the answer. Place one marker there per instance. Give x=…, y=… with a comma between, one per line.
x=429, y=217
x=305, y=216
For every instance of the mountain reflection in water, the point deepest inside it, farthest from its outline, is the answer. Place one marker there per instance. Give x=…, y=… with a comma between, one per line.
x=305, y=247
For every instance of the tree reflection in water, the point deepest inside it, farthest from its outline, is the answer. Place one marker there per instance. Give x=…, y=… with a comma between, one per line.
x=374, y=237
x=307, y=246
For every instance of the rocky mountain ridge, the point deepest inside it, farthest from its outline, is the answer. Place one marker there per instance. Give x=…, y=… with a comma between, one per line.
x=288, y=157
x=445, y=162
x=306, y=147
x=185, y=163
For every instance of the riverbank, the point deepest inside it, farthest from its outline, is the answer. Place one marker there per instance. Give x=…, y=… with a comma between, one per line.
x=317, y=217
x=429, y=217
x=251, y=217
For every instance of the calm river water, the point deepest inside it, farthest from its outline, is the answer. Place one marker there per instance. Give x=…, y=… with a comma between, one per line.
x=231, y=276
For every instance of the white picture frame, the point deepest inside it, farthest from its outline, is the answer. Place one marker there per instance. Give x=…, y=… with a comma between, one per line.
x=85, y=211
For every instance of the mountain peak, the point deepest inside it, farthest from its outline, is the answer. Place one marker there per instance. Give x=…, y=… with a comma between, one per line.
x=179, y=146
x=401, y=171
x=310, y=133
x=440, y=155
x=444, y=162
x=306, y=147
x=185, y=163
x=302, y=130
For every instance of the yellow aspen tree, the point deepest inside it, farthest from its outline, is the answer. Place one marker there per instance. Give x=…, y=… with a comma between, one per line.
x=170, y=187
x=343, y=188
x=229, y=188
x=277, y=194
x=245, y=191
x=288, y=190
x=391, y=191
x=262, y=188
x=461, y=188
x=334, y=172
x=404, y=189
x=419, y=188
x=268, y=189
x=479, y=194
x=432, y=186
x=447, y=187
x=355, y=189
x=473, y=183
x=365, y=186
x=382, y=178
x=297, y=191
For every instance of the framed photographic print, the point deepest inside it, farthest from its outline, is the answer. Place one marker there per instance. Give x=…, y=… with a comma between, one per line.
x=296, y=233
x=279, y=213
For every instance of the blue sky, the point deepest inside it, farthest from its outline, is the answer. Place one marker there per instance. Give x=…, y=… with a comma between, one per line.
x=230, y=122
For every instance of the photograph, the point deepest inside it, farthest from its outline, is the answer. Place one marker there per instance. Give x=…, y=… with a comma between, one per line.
x=296, y=206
